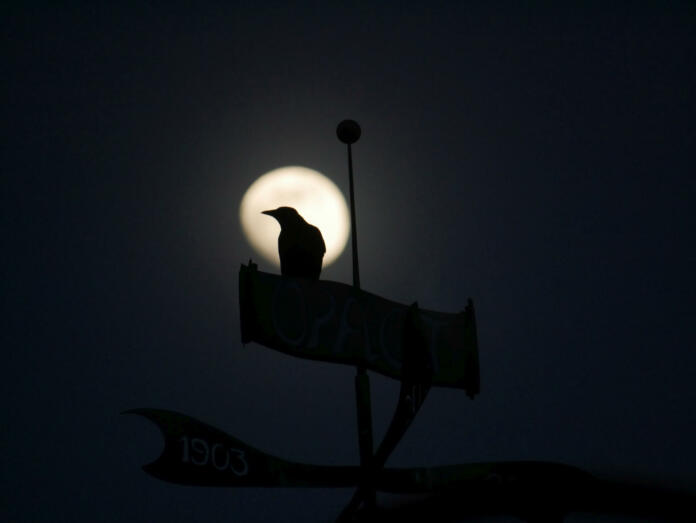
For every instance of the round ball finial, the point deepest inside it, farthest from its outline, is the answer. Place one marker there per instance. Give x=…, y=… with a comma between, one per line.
x=348, y=131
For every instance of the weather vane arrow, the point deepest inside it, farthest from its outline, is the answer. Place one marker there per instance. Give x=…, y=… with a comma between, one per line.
x=301, y=315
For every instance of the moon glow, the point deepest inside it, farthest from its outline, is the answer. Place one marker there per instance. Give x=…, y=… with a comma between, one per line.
x=315, y=197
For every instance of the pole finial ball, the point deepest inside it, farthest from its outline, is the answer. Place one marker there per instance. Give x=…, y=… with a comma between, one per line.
x=348, y=131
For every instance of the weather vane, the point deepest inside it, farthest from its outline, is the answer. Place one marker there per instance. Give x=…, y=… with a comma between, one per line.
x=301, y=315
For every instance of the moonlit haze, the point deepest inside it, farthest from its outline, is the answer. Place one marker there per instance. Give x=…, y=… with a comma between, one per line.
x=314, y=196
x=536, y=157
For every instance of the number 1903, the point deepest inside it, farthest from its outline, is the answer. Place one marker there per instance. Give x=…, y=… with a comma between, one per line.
x=199, y=452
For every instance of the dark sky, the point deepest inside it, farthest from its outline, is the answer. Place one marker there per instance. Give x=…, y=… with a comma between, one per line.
x=537, y=160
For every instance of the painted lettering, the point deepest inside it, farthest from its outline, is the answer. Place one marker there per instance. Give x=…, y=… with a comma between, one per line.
x=345, y=329
x=319, y=321
x=199, y=452
x=281, y=315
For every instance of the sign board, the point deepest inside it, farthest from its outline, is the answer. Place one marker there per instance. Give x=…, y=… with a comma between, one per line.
x=337, y=323
x=199, y=454
x=196, y=453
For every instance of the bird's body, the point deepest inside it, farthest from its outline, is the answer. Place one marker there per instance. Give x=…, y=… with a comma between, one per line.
x=300, y=244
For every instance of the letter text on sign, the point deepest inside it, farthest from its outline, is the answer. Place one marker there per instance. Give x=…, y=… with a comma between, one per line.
x=199, y=452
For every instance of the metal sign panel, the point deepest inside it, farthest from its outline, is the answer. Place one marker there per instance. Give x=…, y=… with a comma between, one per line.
x=196, y=453
x=199, y=454
x=334, y=322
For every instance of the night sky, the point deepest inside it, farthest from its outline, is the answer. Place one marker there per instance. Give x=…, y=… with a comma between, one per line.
x=537, y=160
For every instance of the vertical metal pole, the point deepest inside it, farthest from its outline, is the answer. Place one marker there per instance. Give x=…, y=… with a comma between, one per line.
x=353, y=227
x=348, y=132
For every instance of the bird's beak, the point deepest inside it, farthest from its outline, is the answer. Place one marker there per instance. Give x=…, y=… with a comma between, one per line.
x=270, y=213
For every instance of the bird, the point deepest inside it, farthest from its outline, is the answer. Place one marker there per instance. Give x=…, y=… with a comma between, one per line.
x=300, y=244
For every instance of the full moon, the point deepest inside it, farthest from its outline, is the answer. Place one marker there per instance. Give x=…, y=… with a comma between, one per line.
x=314, y=196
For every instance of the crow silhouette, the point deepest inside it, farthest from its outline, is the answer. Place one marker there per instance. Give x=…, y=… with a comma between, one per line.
x=300, y=244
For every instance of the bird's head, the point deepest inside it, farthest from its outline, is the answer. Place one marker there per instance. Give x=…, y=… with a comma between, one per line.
x=285, y=215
